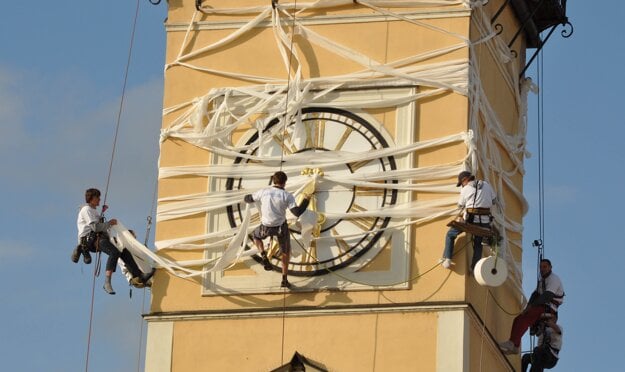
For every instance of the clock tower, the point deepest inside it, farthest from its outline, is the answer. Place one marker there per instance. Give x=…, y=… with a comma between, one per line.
x=374, y=107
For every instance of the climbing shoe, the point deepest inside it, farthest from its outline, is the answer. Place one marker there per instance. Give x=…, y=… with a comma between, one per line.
x=76, y=254
x=86, y=257
x=285, y=284
x=266, y=263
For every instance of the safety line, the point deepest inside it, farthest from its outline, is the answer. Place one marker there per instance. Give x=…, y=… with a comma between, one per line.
x=532, y=345
x=145, y=242
x=108, y=179
x=96, y=271
x=282, y=150
x=288, y=80
x=121, y=102
x=541, y=152
x=141, y=331
x=483, y=329
x=307, y=252
x=501, y=307
x=541, y=170
x=283, y=324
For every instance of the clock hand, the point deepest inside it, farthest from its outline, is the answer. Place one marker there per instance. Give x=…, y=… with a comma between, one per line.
x=314, y=227
x=310, y=190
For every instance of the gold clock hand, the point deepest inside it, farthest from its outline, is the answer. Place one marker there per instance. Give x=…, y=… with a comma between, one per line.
x=310, y=189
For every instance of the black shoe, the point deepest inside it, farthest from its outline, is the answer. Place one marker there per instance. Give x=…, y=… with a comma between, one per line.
x=86, y=257
x=266, y=263
x=76, y=254
x=145, y=277
x=285, y=284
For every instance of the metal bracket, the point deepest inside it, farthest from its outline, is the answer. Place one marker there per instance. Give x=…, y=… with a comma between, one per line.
x=564, y=33
x=527, y=19
x=498, y=13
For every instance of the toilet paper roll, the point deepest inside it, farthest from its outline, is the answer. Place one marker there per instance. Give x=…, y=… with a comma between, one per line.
x=491, y=271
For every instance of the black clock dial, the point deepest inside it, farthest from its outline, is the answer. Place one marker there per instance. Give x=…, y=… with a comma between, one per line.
x=342, y=240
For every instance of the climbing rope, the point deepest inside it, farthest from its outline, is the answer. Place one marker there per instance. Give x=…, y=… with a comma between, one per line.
x=96, y=273
x=275, y=5
x=501, y=307
x=283, y=325
x=414, y=278
x=121, y=104
x=409, y=280
x=147, y=233
x=145, y=242
x=483, y=329
x=539, y=243
x=108, y=178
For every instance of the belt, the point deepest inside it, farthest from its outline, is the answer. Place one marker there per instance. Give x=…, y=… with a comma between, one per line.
x=480, y=211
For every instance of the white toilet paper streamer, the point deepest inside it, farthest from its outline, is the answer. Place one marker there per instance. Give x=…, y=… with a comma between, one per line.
x=491, y=271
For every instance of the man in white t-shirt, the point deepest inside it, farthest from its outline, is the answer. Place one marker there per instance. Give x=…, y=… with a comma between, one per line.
x=546, y=299
x=274, y=201
x=546, y=354
x=93, y=235
x=476, y=199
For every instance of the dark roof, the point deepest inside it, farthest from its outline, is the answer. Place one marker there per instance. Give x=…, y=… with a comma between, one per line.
x=539, y=15
x=300, y=363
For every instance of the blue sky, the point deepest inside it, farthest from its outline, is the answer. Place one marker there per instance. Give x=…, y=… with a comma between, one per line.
x=61, y=74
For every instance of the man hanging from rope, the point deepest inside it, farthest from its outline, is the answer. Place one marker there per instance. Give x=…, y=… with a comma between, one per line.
x=93, y=236
x=476, y=199
x=546, y=354
x=547, y=297
x=274, y=201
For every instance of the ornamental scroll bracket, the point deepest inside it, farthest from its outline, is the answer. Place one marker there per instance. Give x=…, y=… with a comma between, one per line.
x=536, y=16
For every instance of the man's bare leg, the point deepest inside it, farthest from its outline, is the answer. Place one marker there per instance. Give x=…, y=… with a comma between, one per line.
x=285, y=268
x=108, y=288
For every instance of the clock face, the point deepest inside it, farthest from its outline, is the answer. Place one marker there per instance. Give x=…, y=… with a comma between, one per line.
x=344, y=233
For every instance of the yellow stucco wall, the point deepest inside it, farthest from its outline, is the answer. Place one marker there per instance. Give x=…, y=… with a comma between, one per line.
x=383, y=42
x=343, y=342
x=501, y=95
x=340, y=342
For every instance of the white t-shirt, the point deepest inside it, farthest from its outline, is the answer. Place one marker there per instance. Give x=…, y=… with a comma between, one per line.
x=555, y=339
x=485, y=198
x=553, y=284
x=274, y=202
x=86, y=216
